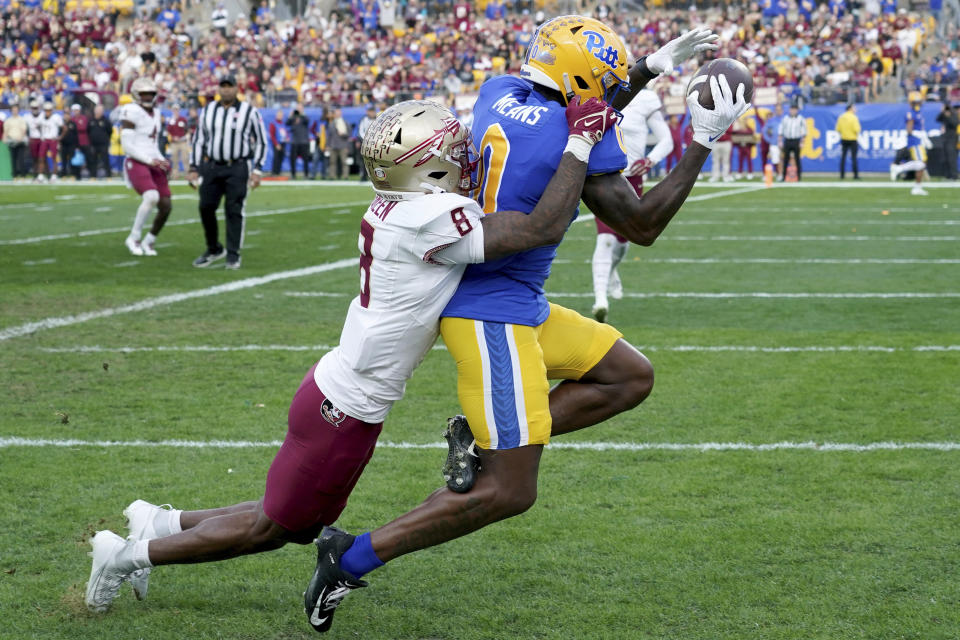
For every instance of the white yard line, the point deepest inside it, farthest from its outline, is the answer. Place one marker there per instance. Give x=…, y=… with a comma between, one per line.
x=839, y=223
x=192, y=220
x=707, y=196
x=795, y=261
x=831, y=238
x=767, y=295
x=13, y=441
x=640, y=261
x=204, y=348
x=150, y=303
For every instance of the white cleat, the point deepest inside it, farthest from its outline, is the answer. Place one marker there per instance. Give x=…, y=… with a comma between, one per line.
x=140, y=515
x=600, y=312
x=134, y=246
x=105, y=580
x=615, y=288
x=919, y=191
x=148, y=249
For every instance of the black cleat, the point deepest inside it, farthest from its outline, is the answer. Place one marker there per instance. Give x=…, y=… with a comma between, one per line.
x=460, y=469
x=329, y=583
x=209, y=257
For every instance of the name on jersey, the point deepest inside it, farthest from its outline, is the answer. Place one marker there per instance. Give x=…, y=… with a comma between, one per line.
x=510, y=107
x=382, y=208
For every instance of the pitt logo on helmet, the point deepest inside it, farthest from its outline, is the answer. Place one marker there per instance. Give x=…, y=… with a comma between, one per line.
x=597, y=46
x=577, y=56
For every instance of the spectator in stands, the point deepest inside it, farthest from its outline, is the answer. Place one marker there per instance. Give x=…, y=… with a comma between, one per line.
x=169, y=17
x=279, y=136
x=848, y=126
x=220, y=19
x=100, y=130
x=15, y=137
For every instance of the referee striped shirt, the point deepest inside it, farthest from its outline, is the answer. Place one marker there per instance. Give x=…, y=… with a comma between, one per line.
x=225, y=134
x=793, y=127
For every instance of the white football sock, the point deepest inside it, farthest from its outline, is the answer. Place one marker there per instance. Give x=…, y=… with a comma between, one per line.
x=149, y=201
x=149, y=239
x=602, y=264
x=133, y=556
x=167, y=523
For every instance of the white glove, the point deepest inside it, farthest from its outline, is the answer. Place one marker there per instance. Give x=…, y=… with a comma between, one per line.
x=695, y=41
x=708, y=125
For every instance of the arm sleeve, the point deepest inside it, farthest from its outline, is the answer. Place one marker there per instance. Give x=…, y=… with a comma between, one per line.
x=453, y=235
x=199, y=140
x=661, y=132
x=259, y=135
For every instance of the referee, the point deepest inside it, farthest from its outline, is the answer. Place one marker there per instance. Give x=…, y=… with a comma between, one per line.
x=793, y=129
x=229, y=138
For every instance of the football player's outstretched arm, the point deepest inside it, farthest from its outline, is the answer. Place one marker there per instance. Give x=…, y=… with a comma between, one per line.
x=642, y=220
x=664, y=59
x=507, y=232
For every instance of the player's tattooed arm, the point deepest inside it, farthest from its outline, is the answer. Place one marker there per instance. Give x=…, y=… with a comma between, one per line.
x=641, y=220
x=507, y=232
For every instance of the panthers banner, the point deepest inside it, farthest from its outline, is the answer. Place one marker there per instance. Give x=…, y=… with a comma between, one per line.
x=882, y=133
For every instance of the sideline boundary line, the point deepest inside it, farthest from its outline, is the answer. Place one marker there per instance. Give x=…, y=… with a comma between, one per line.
x=13, y=441
x=681, y=348
x=149, y=303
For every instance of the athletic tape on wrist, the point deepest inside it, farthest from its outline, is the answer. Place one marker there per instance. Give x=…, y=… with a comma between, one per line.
x=580, y=147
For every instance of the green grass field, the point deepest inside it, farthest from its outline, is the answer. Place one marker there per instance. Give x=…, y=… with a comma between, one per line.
x=798, y=317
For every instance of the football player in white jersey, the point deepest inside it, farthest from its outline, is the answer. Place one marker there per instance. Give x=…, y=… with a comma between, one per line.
x=33, y=119
x=51, y=126
x=415, y=240
x=145, y=169
x=643, y=116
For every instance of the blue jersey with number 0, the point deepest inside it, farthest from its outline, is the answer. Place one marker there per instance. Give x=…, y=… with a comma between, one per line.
x=520, y=136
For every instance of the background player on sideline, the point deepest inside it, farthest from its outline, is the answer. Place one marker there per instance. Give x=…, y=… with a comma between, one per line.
x=415, y=241
x=641, y=117
x=914, y=156
x=145, y=169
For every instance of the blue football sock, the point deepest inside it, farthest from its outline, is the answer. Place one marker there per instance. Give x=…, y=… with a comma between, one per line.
x=360, y=558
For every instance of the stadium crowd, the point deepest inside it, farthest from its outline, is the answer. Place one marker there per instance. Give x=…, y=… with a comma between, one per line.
x=376, y=52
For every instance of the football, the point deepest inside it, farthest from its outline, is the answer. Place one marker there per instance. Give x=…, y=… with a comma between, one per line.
x=736, y=73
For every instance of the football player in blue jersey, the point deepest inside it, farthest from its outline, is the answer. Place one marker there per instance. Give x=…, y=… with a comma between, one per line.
x=914, y=156
x=506, y=339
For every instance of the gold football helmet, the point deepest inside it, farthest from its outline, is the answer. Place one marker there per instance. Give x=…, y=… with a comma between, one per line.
x=141, y=86
x=417, y=147
x=577, y=55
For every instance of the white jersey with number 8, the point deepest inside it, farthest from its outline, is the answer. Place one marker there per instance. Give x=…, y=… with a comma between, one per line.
x=412, y=255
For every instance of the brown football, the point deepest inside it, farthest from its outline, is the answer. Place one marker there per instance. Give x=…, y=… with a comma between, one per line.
x=736, y=73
